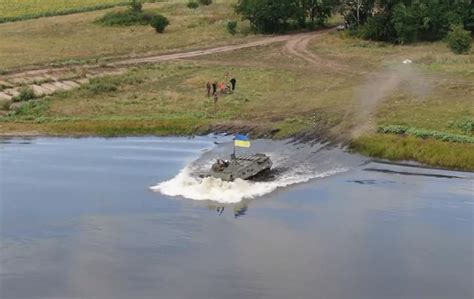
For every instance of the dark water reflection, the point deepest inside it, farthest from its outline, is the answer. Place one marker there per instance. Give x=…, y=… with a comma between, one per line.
x=78, y=221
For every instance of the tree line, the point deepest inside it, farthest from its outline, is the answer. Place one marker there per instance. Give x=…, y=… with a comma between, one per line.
x=398, y=21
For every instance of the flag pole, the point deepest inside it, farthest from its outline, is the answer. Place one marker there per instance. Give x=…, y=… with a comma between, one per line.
x=233, y=154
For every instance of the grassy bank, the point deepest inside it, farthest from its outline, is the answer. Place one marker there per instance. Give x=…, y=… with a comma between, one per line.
x=281, y=100
x=428, y=151
x=329, y=86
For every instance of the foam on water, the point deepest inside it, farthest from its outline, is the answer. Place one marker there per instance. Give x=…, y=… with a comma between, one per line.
x=300, y=163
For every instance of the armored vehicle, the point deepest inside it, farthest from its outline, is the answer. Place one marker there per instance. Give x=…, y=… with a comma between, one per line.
x=241, y=167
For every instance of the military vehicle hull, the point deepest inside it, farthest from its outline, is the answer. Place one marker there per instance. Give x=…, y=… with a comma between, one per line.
x=242, y=167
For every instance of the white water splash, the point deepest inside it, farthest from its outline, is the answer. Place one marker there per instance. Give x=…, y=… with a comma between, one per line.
x=209, y=188
x=298, y=163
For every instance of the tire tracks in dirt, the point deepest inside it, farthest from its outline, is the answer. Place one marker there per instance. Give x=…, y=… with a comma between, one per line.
x=45, y=81
x=298, y=47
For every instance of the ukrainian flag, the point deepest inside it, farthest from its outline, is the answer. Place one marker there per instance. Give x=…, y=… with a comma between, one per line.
x=241, y=140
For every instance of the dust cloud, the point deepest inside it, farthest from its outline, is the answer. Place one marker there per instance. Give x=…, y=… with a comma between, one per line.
x=383, y=84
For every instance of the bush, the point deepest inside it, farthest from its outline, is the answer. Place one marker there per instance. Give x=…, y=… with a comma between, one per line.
x=378, y=28
x=269, y=16
x=5, y=105
x=26, y=94
x=136, y=6
x=459, y=40
x=98, y=86
x=205, y=2
x=232, y=27
x=126, y=18
x=420, y=133
x=29, y=110
x=159, y=22
x=466, y=125
x=192, y=4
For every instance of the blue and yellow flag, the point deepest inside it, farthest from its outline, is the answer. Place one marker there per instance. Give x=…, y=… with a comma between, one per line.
x=241, y=140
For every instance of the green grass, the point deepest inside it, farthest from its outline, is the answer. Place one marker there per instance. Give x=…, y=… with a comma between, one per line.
x=126, y=18
x=420, y=133
x=278, y=95
x=427, y=151
x=176, y=91
x=77, y=39
x=14, y=10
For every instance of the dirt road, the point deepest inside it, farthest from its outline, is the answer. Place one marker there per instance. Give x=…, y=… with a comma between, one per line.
x=49, y=80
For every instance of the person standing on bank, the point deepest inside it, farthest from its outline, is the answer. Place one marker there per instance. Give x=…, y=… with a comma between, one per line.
x=214, y=87
x=216, y=98
x=208, y=86
x=233, y=82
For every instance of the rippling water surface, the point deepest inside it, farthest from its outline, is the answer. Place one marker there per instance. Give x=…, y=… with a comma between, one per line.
x=128, y=218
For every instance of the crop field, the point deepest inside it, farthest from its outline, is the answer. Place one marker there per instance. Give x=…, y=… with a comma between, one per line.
x=27, y=9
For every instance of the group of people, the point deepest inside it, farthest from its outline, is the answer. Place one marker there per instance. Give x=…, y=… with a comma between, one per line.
x=215, y=89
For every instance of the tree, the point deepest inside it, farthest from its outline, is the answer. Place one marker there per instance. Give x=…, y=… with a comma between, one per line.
x=269, y=16
x=159, y=22
x=318, y=10
x=356, y=12
x=459, y=40
x=405, y=23
x=136, y=5
x=232, y=27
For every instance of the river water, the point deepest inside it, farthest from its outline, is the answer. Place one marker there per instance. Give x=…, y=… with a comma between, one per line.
x=127, y=218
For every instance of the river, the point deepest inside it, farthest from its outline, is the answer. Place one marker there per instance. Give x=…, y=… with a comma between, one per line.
x=127, y=218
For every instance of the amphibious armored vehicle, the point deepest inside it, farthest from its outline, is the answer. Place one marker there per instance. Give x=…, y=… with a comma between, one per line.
x=244, y=167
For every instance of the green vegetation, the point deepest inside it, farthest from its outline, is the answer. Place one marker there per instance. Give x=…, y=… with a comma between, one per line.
x=30, y=111
x=126, y=18
x=459, y=40
x=205, y=2
x=159, y=22
x=402, y=21
x=13, y=10
x=398, y=21
x=76, y=39
x=5, y=105
x=232, y=27
x=192, y=4
x=465, y=125
x=309, y=86
x=404, y=130
x=26, y=94
x=135, y=16
x=269, y=16
x=136, y=5
x=272, y=16
x=409, y=148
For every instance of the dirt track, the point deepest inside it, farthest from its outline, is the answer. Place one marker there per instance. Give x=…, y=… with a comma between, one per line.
x=49, y=80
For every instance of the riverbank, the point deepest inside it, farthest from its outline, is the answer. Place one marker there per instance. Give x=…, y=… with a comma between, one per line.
x=169, y=99
x=315, y=85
